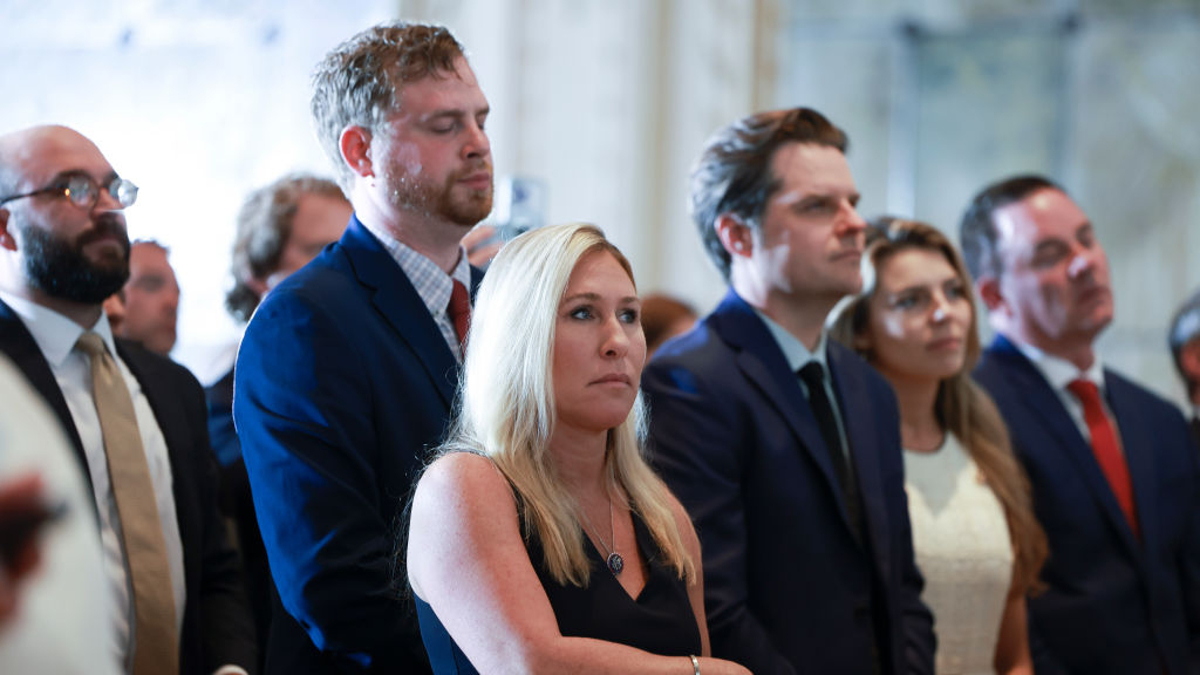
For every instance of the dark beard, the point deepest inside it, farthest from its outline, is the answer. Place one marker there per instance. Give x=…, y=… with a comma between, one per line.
x=60, y=270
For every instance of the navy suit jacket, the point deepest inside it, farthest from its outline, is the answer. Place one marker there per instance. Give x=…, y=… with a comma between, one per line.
x=1114, y=604
x=343, y=381
x=787, y=587
x=217, y=629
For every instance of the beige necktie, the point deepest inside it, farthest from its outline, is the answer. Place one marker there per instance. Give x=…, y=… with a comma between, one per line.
x=156, y=651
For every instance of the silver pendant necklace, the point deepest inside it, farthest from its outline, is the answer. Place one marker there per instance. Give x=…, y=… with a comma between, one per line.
x=614, y=560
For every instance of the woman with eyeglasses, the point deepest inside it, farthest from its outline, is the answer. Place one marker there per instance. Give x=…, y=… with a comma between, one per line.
x=540, y=540
x=976, y=538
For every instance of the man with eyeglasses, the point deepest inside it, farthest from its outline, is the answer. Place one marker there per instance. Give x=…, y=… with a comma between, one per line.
x=136, y=420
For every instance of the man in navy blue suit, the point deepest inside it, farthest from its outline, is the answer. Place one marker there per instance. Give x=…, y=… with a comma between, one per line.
x=784, y=446
x=1114, y=472
x=348, y=368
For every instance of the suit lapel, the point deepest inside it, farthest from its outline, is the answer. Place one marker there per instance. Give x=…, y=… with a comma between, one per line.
x=850, y=387
x=23, y=350
x=1032, y=391
x=761, y=360
x=1133, y=432
x=400, y=305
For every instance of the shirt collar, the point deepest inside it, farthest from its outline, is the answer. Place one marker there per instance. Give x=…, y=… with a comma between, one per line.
x=1060, y=372
x=794, y=351
x=432, y=284
x=54, y=333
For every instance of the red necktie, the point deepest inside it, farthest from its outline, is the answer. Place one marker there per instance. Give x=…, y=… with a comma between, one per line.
x=1107, y=448
x=460, y=311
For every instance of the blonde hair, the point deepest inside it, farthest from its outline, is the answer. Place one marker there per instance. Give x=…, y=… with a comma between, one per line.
x=962, y=407
x=506, y=404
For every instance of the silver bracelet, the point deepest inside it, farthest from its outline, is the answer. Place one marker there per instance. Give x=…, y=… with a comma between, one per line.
x=695, y=664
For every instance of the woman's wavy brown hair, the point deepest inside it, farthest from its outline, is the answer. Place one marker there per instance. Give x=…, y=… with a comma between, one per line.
x=962, y=407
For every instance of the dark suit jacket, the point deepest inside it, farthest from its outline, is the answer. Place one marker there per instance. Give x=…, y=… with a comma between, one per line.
x=1196, y=431
x=217, y=629
x=1114, y=604
x=787, y=587
x=343, y=381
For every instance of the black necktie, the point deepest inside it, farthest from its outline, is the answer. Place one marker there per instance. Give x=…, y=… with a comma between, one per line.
x=814, y=378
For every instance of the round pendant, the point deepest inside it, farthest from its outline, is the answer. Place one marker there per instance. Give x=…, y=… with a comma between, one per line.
x=615, y=563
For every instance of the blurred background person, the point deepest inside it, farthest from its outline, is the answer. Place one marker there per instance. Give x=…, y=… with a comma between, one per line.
x=552, y=519
x=281, y=227
x=976, y=538
x=1184, y=341
x=114, y=309
x=664, y=317
x=150, y=299
x=1112, y=465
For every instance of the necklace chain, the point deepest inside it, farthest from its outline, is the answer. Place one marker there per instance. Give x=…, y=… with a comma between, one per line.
x=615, y=562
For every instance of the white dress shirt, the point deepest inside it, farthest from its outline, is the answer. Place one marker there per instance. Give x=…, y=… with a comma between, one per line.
x=798, y=356
x=1059, y=372
x=431, y=282
x=56, y=336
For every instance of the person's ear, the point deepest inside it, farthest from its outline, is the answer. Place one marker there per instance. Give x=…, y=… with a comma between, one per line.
x=355, y=144
x=862, y=342
x=1189, y=361
x=735, y=235
x=259, y=286
x=989, y=292
x=7, y=240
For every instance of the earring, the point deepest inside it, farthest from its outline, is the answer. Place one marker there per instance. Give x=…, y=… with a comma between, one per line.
x=737, y=246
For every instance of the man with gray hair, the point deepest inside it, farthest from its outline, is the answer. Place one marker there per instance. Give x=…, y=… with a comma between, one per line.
x=1184, y=340
x=348, y=368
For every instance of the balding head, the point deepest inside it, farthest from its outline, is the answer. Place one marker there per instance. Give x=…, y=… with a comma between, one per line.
x=59, y=252
x=20, y=151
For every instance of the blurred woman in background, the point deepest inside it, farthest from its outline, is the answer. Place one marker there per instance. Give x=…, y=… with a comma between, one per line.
x=976, y=538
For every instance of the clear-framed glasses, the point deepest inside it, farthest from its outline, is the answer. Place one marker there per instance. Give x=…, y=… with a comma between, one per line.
x=83, y=191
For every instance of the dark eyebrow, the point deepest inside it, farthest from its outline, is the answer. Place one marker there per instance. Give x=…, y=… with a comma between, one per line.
x=71, y=173
x=1049, y=244
x=852, y=197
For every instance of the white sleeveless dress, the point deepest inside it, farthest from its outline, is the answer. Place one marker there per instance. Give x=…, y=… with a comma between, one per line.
x=962, y=546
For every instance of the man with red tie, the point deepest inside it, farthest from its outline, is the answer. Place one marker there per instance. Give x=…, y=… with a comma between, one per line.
x=1115, y=478
x=348, y=369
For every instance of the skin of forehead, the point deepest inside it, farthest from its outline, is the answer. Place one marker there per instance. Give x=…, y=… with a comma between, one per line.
x=1008, y=217
x=813, y=179
x=22, y=150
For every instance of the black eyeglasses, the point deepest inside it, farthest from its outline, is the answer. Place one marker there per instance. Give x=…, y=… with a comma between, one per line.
x=83, y=191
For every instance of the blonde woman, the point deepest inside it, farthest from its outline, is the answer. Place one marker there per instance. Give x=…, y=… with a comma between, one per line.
x=976, y=538
x=540, y=540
